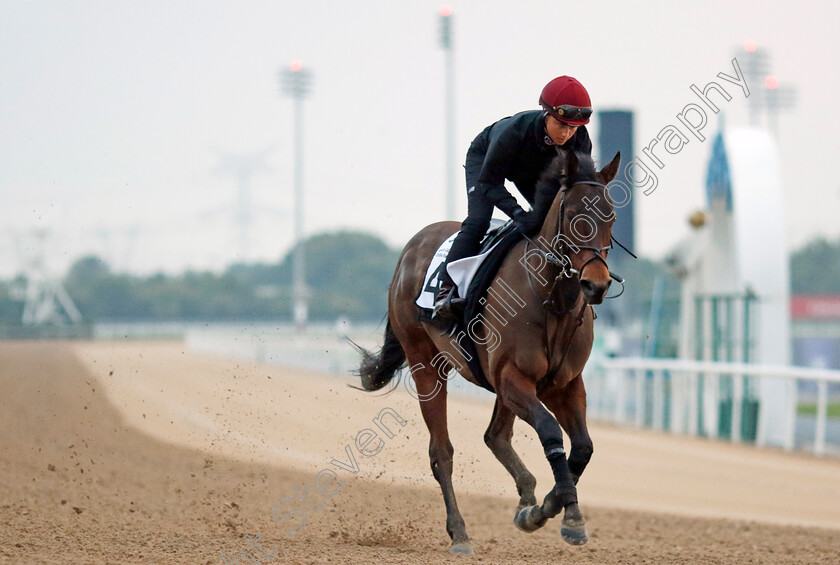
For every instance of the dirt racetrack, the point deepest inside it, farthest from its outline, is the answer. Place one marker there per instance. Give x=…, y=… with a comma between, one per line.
x=147, y=453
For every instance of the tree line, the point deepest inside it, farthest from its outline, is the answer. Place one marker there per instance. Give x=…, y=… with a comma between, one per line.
x=348, y=274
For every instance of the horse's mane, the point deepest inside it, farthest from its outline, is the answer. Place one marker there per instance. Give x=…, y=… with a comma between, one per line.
x=557, y=174
x=585, y=169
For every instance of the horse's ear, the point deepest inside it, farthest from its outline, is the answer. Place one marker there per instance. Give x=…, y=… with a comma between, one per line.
x=608, y=173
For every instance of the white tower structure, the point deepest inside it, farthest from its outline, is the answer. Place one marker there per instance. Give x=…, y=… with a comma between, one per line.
x=762, y=265
x=735, y=293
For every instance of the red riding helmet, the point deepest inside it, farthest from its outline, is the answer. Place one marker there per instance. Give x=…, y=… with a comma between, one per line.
x=566, y=99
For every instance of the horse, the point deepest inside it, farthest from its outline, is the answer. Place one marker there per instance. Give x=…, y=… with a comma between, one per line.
x=533, y=342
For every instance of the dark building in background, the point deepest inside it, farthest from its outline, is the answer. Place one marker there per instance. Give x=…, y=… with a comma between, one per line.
x=615, y=133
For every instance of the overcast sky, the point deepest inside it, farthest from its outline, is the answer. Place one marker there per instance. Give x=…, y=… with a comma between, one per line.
x=119, y=121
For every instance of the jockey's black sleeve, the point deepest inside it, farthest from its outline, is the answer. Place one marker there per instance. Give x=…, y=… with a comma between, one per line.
x=500, y=198
x=505, y=144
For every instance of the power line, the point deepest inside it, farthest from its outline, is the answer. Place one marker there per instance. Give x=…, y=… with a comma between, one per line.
x=243, y=167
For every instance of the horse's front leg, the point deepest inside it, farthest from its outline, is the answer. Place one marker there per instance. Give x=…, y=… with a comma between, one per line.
x=519, y=394
x=569, y=406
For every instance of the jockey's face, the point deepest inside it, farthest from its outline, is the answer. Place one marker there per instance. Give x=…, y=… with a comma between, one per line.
x=559, y=132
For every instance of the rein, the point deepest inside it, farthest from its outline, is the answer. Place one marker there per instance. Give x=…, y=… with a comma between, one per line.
x=548, y=381
x=566, y=272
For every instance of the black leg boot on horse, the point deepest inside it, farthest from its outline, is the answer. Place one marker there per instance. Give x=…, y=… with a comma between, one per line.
x=563, y=497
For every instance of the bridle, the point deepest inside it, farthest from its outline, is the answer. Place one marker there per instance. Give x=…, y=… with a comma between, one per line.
x=567, y=271
x=597, y=251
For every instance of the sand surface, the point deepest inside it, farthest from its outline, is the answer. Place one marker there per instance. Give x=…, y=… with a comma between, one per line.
x=148, y=453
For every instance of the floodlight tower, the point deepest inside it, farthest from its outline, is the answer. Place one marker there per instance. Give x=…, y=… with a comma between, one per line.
x=754, y=64
x=777, y=98
x=765, y=92
x=449, y=98
x=295, y=82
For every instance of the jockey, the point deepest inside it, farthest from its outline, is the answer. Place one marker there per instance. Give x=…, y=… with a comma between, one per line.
x=517, y=148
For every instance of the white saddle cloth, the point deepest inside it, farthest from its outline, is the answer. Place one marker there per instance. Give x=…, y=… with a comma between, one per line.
x=462, y=272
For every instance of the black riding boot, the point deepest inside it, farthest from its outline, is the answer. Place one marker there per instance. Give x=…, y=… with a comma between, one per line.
x=447, y=302
x=448, y=305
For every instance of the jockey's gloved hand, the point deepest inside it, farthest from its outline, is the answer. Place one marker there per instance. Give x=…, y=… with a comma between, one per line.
x=526, y=222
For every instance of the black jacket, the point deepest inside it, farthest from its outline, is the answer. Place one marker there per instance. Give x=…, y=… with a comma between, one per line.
x=515, y=148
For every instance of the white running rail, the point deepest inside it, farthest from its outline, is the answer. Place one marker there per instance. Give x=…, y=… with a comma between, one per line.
x=611, y=393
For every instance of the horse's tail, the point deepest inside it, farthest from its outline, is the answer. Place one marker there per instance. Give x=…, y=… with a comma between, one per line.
x=377, y=370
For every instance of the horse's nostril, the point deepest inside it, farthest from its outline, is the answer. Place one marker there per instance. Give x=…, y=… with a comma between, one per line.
x=587, y=286
x=593, y=292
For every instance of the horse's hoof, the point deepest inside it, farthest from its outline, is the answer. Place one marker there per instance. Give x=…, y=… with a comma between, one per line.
x=461, y=548
x=574, y=531
x=523, y=503
x=529, y=519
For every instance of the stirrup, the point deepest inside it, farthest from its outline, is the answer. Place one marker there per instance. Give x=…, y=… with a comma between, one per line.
x=446, y=306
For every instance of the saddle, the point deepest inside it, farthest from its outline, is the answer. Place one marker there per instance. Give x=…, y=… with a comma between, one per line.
x=475, y=274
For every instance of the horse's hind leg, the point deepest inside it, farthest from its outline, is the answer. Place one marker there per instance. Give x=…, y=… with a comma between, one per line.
x=497, y=437
x=569, y=406
x=431, y=391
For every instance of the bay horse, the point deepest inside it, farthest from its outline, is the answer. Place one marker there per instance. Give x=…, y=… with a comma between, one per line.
x=533, y=342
